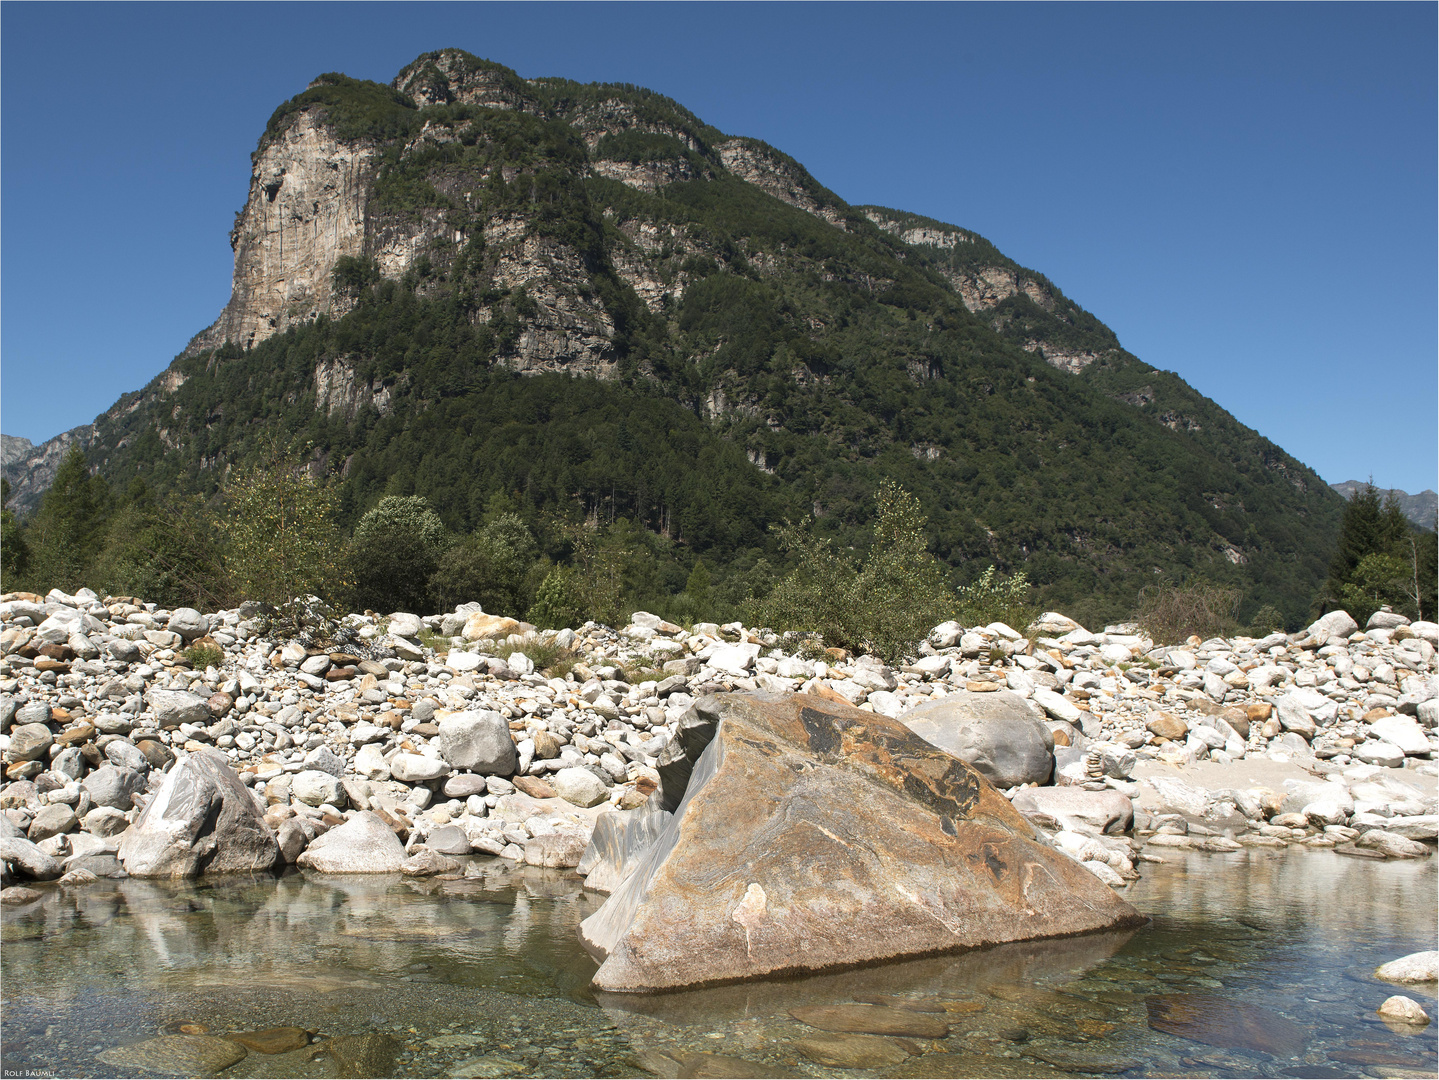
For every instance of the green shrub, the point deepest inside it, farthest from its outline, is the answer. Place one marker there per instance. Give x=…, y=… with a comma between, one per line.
x=1171, y=613
x=201, y=657
x=995, y=597
x=284, y=543
x=491, y=567
x=559, y=601
x=884, y=606
x=1266, y=621
x=394, y=553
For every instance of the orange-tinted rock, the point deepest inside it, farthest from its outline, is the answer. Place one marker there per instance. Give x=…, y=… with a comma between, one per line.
x=533, y=786
x=814, y=835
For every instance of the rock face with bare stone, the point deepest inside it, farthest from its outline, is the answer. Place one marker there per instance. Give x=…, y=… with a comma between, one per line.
x=813, y=835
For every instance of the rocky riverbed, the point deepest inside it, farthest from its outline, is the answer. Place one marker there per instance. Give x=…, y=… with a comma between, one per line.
x=405, y=741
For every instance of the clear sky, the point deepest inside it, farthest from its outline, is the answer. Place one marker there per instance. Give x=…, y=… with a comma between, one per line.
x=1245, y=193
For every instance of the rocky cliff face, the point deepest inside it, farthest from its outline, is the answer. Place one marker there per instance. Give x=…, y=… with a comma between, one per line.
x=306, y=209
x=31, y=469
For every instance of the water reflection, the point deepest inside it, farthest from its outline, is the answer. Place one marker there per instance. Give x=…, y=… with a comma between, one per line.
x=483, y=975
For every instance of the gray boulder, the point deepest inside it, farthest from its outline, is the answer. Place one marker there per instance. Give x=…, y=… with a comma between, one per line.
x=362, y=845
x=999, y=733
x=188, y=623
x=202, y=820
x=1293, y=716
x=30, y=742
x=325, y=760
x=480, y=742
x=28, y=859
x=54, y=819
x=314, y=788
x=175, y=707
x=618, y=843
x=1336, y=626
x=127, y=755
x=114, y=786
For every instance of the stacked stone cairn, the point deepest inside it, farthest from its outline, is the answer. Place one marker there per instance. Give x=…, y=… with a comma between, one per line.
x=428, y=738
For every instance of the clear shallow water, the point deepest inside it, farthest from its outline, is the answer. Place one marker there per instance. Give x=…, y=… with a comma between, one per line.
x=1261, y=961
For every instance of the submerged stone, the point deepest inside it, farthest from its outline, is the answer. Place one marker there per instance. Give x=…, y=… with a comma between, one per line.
x=845, y=1051
x=813, y=835
x=280, y=1040
x=176, y=1055
x=1230, y=1025
x=872, y=1020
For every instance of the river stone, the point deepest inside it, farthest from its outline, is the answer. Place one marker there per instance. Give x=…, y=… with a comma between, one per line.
x=176, y=1055
x=1232, y=1025
x=105, y=821
x=315, y=788
x=561, y=849
x=362, y=845
x=203, y=820
x=872, y=1020
x=580, y=787
x=998, y=733
x=30, y=742
x=26, y=857
x=846, y=1051
x=19, y=894
x=619, y=842
x=417, y=768
x=280, y=1040
x=1419, y=967
x=127, y=755
x=188, y=623
x=1293, y=716
x=175, y=707
x=1105, y=811
x=113, y=786
x=814, y=835
x=405, y=625
x=292, y=840
x=1402, y=732
x=1404, y=1009
x=53, y=819
x=448, y=840
x=1336, y=626
x=1392, y=844
x=479, y=741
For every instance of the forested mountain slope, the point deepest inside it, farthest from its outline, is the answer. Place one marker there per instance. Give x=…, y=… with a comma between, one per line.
x=583, y=295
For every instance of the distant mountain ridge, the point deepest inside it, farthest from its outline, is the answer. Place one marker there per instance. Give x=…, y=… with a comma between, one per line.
x=711, y=341
x=1420, y=509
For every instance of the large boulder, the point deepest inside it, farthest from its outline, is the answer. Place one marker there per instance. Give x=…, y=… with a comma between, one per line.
x=362, y=845
x=1336, y=626
x=202, y=820
x=480, y=742
x=814, y=835
x=114, y=786
x=999, y=733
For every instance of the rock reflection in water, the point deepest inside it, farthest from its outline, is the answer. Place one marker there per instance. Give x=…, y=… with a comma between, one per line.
x=484, y=975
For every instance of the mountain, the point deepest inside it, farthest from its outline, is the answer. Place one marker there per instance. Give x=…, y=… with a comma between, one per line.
x=1420, y=509
x=466, y=282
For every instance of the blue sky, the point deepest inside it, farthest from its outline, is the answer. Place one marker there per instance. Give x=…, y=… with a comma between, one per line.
x=1245, y=193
